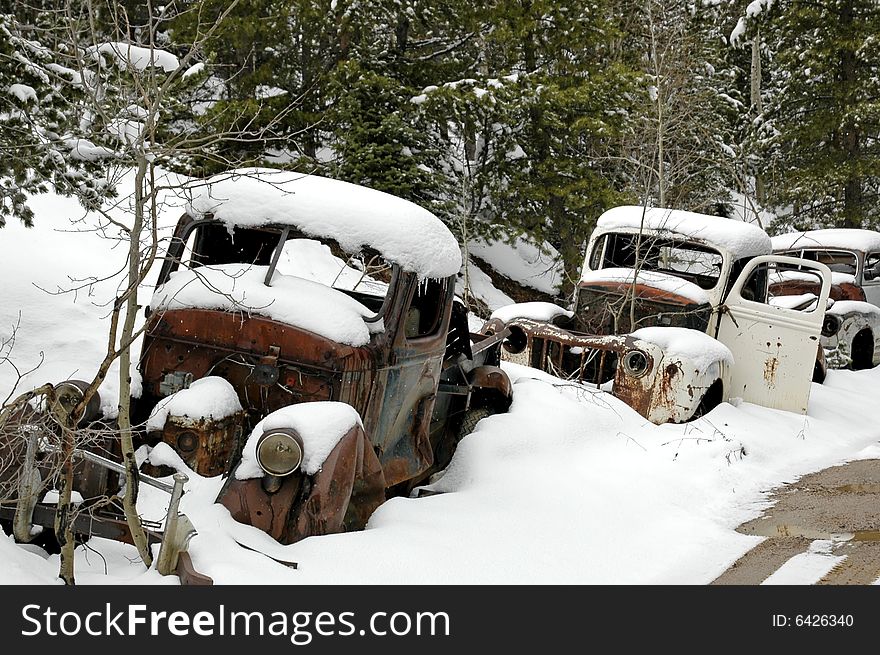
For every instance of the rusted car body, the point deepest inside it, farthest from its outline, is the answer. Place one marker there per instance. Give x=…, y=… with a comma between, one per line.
x=660, y=384
x=651, y=273
x=851, y=332
x=412, y=378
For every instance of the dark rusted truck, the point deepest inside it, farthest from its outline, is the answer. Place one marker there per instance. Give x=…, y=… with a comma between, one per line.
x=290, y=290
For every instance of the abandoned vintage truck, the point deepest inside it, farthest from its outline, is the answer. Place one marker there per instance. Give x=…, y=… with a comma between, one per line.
x=851, y=332
x=673, y=312
x=304, y=341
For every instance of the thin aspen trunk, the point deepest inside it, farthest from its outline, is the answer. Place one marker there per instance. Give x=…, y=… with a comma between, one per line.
x=757, y=107
x=125, y=432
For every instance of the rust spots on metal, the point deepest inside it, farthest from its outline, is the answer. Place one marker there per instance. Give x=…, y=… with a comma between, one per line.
x=770, y=368
x=840, y=291
x=638, y=291
x=664, y=396
x=208, y=446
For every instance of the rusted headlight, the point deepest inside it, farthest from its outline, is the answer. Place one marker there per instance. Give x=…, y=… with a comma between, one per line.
x=636, y=363
x=280, y=452
x=830, y=325
x=69, y=394
x=187, y=442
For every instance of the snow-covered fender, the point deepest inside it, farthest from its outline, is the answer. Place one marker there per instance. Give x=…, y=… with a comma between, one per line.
x=851, y=334
x=671, y=374
x=339, y=496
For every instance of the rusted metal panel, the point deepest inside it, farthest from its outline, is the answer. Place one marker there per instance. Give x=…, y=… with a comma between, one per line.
x=339, y=497
x=840, y=291
x=491, y=377
x=209, y=447
x=615, y=308
x=639, y=291
x=307, y=366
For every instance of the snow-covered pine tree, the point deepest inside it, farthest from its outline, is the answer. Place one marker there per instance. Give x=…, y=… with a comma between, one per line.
x=574, y=101
x=822, y=112
x=40, y=121
x=680, y=151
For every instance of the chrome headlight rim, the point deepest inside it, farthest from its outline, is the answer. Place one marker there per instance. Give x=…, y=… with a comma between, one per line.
x=280, y=452
x=636, y=363
x=69, y=394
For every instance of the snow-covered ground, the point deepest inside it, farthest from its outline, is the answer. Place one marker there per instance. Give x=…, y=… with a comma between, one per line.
x=570, y=486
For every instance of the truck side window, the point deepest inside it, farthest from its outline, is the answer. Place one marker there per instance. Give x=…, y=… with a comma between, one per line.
x=792, y=286
x=426, y=309
x=872, y=267
x=755, y=288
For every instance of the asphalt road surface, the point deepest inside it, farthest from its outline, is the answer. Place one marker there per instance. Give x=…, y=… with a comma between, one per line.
x=834, y=513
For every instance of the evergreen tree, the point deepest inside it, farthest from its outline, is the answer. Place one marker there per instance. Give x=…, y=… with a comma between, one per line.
x=574, y=102
x=822, y=113
x=39, y=121
x=681, y=148
x=375, y=139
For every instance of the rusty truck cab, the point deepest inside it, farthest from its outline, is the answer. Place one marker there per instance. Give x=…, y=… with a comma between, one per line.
x=391, y=380
x=303, y=341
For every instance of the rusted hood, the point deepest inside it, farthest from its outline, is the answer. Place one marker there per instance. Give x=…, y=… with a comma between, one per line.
x=640, y=290
x=253, y=335
x=603, y=305
x=270, y=364
x=839, y=291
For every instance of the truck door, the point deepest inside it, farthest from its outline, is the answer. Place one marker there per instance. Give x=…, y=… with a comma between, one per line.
x=774, y=348
x=408, y=382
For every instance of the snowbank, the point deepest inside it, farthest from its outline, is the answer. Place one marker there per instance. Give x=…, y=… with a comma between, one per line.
x=320, y=424
x=210, y=397
x=480, y=286
x=523, y=262
x=239, y=288
x=844, y=238
x=662, y=281
x=741, y=239
x=689, y=345
x=535, y=311
x=352, y=215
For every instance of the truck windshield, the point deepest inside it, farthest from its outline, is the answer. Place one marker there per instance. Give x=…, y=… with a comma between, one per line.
x=694, y=262
x=363, y=275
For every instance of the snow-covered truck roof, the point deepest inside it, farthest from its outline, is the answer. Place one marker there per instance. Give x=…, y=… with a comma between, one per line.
x=739, y=238
x=354, y=216
x=842, y=238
